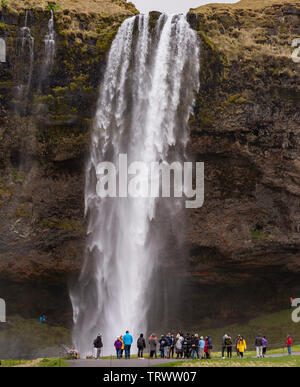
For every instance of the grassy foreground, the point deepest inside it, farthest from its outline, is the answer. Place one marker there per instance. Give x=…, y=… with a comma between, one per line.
x=46, y=362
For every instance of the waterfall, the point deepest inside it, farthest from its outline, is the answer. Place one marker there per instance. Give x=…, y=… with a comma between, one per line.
x=49, y=53
x=50, y=41
x=26, y=55
x=146, y=98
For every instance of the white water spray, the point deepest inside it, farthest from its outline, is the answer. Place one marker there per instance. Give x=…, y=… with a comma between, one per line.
x=146, y=98
x=50, y=41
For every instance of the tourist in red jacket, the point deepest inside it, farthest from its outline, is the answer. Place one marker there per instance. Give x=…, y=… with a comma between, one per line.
x=289, y=344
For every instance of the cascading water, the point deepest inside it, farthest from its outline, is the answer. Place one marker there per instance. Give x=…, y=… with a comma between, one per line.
x=50, y=41
x=26, y=51
x=50, y=47
x=146, y=98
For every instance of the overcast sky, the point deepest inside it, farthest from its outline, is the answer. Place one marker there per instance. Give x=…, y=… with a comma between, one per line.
x=173, y=6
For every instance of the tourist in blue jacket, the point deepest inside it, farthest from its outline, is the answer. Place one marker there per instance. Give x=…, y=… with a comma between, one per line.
x=201, y=347
x=127, y=340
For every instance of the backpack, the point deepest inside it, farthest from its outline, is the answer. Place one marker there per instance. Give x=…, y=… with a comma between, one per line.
x=228, y=342
x=140, y=342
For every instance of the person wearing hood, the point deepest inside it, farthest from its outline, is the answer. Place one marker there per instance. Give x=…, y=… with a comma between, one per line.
x=141, y=345
x=241, y=346
x=98, y=344
x=127, y=340
x=259, y=346
x=118, y=346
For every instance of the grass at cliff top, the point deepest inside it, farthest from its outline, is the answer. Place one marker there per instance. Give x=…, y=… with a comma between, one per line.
x=103, y=7
x=245, y=4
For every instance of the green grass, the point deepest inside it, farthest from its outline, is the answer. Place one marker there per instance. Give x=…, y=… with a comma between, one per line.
x=46, y=362
x=12, y=363
x=31, y=338
x=53, y=362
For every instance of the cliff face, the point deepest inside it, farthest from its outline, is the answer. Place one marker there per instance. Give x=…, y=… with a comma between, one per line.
x=44, y=137
x=244, y=242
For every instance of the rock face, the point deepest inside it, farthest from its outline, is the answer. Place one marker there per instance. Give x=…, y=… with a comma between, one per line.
x=244, y=242
x=44, y=139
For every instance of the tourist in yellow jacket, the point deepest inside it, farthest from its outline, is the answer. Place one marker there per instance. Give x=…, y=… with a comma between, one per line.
x=122, y=348
x=241, y=346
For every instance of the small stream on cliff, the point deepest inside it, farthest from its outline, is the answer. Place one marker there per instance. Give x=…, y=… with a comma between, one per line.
x=26, y=55
x=50, y=47
x=146, y=98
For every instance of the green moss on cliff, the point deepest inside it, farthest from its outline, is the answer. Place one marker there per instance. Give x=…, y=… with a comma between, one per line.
x=62, y=224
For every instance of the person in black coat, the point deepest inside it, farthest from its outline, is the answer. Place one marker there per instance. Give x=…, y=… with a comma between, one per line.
x=141, y=344
x=98, y=344
x=187, y=346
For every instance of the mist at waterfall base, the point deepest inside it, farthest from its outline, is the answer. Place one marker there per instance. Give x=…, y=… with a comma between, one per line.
x=146, y=99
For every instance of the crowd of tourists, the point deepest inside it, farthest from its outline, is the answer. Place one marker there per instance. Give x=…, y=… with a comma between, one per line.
x=184, y=346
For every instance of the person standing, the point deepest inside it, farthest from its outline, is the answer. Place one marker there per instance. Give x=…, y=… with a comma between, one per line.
x=127, y=340
x=289, y=344
x=209, y=346
x=98, y=344
x=259, y=346
x=228, y=345
x=122, y=348
x=236, y=345
x=265, y=344
x=241, y=346
x=163, y=345
x=185, y=346
x=170, y=342
x=141, y=345
x=205, y=348
x=152, y=344
x=201, y=347
x=195, y=346
x=172, y=346
x=118, y=346
x=223, y=345
x=179, y=345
